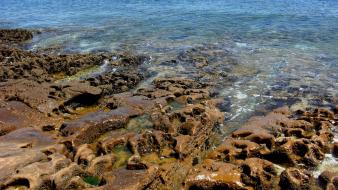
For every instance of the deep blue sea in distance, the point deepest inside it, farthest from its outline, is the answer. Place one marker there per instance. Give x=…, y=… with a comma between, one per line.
x=281, y=46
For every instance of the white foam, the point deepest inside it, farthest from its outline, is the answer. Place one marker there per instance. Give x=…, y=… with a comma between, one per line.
x=240, y=95
x=330, y=163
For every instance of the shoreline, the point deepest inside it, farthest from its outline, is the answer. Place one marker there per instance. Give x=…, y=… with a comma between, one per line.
x=81, y=121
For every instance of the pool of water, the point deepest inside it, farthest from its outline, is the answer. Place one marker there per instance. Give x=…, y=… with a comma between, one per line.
x=282, y=52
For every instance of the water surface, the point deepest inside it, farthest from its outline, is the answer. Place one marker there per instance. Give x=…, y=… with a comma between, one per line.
x=285, y=50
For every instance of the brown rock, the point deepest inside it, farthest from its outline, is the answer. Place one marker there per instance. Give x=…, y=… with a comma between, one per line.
x=15, y=35
x=328, y=179
x=15, y=115
x=296, y=179
x=259, y=174
x=89, y=127
x=214, y=175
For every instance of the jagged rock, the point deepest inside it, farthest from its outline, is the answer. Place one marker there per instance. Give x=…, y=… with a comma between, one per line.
x=15, y=35
x=214, y=175
x=89, y=127
x=84, y=155
x=64, y=179
x=38, y=175
x=130, y=179
x=328, y=180
x=259, y=174
x=102, y=164
x=296, y=179
x=335, y=149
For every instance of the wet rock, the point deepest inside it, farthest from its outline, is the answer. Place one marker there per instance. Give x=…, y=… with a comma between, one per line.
x=66, y=178
x=89, y=127
x=181, y=145
x=115, y=138
x=328, y=180
x=214, y=175
x=84, y=155
x=293, y=178
x=131, y=179
x=135, y=163
x=18, y=64
x=112, y=83
x=145, y=143
x=234, y=150
x=102, y=164
x=259, y=174
x=335, y=149
x=14, y=35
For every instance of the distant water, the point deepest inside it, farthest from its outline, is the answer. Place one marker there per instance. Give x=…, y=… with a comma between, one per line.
x=286, y=50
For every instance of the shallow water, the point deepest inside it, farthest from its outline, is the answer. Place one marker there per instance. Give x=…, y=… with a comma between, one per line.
x=285, y=50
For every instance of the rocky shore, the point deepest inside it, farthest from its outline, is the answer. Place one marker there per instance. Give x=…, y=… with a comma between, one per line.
x=81, y=121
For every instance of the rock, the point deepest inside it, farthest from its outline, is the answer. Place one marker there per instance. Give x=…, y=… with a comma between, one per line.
x=135, y=163
x=19, y=64
x=234, y=150
x=15, y=35
x=20, y=148
x=15, y=115
x=64, y=179
x=84, y=155
x=130, y=179
x=102, y=164
x=328, y=179
x=117, y=82
x=48, y=98
x=89, y=127
x=294, y=179
x=335, y=149
x=38, y=175
x=259, y=174
x=214, y=175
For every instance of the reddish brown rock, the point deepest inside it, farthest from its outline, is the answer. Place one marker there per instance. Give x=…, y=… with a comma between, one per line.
x=89, y=127
x=130, y=179
x=21, y=148
x=335, y=149
x=49, y=98
x=15, y=115
x=214, y=175
x=296, y=179
x=328, y=180
x=259, y=174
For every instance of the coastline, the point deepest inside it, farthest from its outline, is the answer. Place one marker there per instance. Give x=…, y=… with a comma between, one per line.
x=82, y=121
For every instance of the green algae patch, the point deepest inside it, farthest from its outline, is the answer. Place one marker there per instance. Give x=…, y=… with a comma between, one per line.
x=92, y=180
x=140, y=123
x=61, y=77
x=122, y=154
x=155, y=159
x=175, y=105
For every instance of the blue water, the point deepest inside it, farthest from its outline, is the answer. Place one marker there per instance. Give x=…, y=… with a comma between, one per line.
x=277, y=43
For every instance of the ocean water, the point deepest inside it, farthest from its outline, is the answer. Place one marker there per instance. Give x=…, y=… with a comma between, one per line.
x=262, y=54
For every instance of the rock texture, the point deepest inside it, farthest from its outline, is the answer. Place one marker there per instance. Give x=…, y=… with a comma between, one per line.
x=82, y=121
x=277, y=151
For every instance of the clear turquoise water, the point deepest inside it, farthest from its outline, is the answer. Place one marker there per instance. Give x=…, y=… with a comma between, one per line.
x=279, y=45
